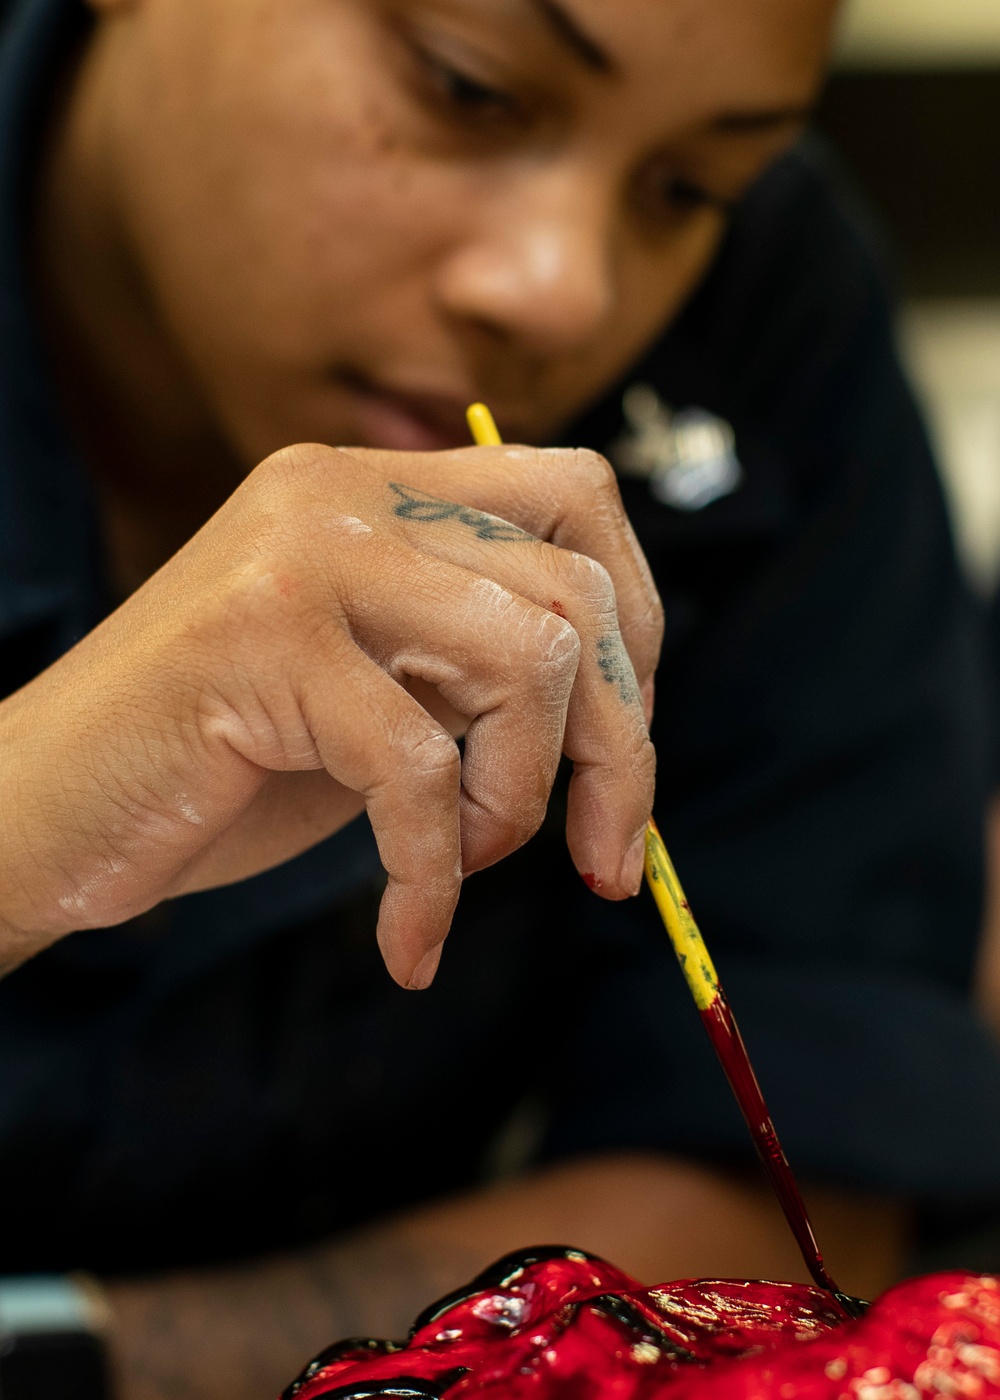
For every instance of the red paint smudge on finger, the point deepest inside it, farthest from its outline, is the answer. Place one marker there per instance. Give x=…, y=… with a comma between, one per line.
x=557, y=607
x=592, y=882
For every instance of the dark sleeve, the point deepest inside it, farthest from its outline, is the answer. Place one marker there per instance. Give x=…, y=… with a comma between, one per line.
x=823, y=734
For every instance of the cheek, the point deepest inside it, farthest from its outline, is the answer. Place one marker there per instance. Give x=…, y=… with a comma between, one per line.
x=659, y=281
x=270, y=200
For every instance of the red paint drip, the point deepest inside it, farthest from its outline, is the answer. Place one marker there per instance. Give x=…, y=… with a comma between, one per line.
x=591, y=881
x=724, y=1034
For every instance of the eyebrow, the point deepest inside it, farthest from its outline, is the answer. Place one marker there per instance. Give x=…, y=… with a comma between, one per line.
x=565, y=28
x=761, y=120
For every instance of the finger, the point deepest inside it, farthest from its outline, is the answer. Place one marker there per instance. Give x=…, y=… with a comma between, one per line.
x=494, y=656
x=375, y=739
x=611, y=796
x=513, y=746
x=568, y=497
x=606, y=733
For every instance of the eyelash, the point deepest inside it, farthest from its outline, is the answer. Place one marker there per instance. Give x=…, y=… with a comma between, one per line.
x=688, y=196
x=465, y=95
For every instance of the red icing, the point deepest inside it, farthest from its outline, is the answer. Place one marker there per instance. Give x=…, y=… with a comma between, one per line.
x=571, y=1327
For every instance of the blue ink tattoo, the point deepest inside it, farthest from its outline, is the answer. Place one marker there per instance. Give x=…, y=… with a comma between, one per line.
x=417, y=505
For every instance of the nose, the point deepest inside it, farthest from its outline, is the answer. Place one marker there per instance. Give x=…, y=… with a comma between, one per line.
x=536, y=265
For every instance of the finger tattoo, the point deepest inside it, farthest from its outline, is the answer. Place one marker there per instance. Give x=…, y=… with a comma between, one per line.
x=417, y=505
x=616, y=668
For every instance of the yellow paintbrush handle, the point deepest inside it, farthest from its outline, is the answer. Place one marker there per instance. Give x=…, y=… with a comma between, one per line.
x=684, y=935
x=484, y=431
x=697, y=966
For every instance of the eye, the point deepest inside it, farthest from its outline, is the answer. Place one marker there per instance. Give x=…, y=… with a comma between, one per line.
x=685, y=196
x=464, y=94
x=668, y=200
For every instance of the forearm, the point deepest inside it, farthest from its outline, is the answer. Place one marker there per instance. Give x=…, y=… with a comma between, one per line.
x=243, y=1332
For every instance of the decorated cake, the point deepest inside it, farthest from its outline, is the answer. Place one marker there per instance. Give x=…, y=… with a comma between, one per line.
x=559, y=1324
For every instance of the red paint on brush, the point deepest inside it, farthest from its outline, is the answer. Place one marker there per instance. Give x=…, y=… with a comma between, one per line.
x=724, y=1034
x=591, y=881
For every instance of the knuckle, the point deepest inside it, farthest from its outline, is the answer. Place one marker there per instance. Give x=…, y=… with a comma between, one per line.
x=592, y=472
x=642, y=759
x=533, y=635
x=431, y=758
x=290, y=465
x=655, y=620
x=591, y=582
x=553, y=649
x=511, y=825
x=272, y=597
x=515, y=831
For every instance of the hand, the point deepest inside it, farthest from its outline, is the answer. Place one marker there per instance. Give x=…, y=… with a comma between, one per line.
x=252, y=696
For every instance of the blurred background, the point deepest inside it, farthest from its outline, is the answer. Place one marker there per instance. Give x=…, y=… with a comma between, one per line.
x=913, y=109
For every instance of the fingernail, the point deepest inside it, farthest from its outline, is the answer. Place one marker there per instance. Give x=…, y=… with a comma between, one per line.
x=423, y=973
x=634, y=863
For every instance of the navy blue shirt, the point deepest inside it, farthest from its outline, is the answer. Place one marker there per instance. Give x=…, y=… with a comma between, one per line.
x=234, y=1071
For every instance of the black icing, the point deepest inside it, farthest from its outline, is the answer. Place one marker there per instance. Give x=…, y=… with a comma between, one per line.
x=854, y=1307
x=353, y=1348
x=629, y=1316
x=400, y=1387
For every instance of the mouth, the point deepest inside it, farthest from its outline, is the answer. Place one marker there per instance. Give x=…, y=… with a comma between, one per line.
x=405, y=421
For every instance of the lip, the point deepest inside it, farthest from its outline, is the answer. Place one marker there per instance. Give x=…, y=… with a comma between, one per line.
x=406, y=420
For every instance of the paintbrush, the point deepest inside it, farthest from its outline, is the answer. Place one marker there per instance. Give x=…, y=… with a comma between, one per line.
x=714, y=1009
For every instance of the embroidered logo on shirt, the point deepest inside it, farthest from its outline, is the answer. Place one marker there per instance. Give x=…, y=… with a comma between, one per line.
x=688, y=457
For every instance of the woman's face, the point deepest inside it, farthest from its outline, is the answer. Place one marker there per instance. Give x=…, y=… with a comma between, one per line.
x=353, y=217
